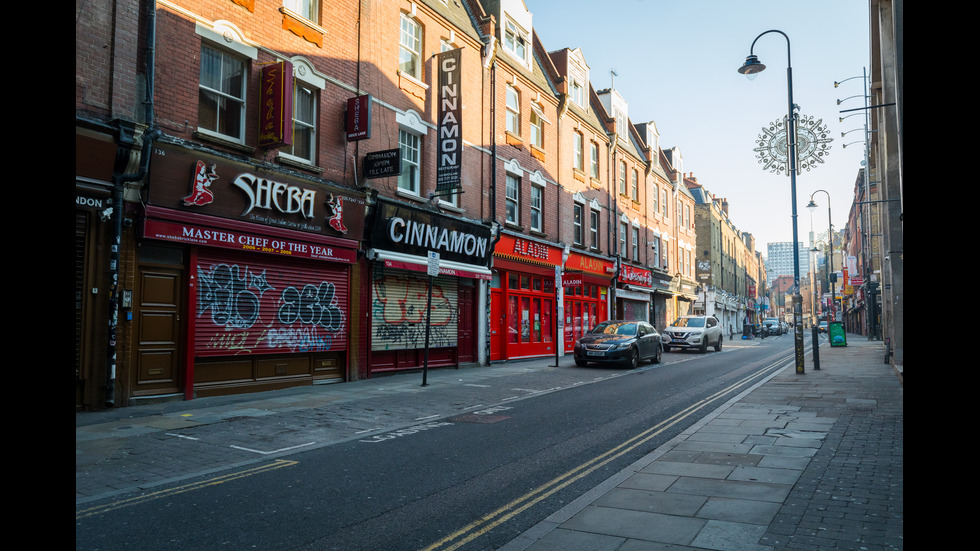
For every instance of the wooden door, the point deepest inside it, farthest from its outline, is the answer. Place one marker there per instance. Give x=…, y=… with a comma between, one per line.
x=156, y=320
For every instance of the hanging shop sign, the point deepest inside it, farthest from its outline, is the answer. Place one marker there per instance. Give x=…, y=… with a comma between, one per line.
x=449, y=144
x=381, y=164
x=188, y=181
x=276, y=105
x=635, y=276
x=416, y=232
x=358, y=118
x=572, y=280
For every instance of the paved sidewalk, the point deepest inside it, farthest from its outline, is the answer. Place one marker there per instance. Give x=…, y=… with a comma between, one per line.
x=810, y=461
x=799, y=462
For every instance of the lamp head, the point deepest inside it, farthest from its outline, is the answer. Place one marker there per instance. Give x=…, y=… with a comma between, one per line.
x=751, y=67
x=812, y=206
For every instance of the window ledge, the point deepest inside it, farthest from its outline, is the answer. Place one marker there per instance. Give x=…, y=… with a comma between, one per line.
x=513, y=140
x=227, y=142
x=302, y=27
x=296, y=162
x=412, y=85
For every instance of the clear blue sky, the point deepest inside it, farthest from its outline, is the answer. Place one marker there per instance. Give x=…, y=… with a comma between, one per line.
x=677, y=65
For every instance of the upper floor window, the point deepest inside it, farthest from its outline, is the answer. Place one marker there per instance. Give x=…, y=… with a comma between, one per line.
x=656, y=198
x=304, y=124
x=537, y=130
x=636, y=243
x=410, y=43
x=622, y=177
x=622, y=239
x=537, y=204
x=635, y=186
x=594, y=160
x=410, y=145
x=664, y=204
x=579, y=159
x=516, y=41
x=307, y=9
x=578, y=93
x=513, y=111
x=221, y=100
x=594, y=228
x=513, y=199
x=577, y=223
x=655, y=245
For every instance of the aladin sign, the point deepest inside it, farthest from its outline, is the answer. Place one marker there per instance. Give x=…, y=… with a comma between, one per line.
x=449, y=148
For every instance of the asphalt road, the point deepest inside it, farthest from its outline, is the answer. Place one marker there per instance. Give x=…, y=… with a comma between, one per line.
x=469, y=482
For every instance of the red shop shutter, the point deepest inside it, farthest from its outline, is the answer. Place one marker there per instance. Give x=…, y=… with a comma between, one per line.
x=255, y=305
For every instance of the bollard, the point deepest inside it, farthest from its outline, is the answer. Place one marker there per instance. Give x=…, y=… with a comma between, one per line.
x=816, y=348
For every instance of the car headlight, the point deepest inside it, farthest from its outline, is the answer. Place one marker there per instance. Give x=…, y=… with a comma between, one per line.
x=625, y=344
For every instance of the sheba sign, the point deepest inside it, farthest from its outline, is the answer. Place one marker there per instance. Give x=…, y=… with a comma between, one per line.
x=404, y=229
x=449, y=151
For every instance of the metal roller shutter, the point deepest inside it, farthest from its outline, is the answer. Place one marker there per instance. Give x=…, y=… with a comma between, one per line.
x=253, y=305
x=399, y=310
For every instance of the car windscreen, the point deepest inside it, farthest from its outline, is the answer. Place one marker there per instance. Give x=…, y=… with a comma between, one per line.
x=688, y=322
x=615, y=328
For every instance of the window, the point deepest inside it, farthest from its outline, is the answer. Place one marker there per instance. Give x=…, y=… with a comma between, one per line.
x=513, y=199
x=656, y=198
x=221, y=108
x=635, y=186
x=577, y=223
x=537, y=130
x=513, y=111
x=303, y=8
x=578, y=93
x=622, y=177
x=304, y=124
x=622, y=239
x=537, y=203
x=655, y=244
x=410, y=144
x=594, y=229
x=594, y=160
x=579, y=154
x=664, y=204
x=516, y=41
x=636, y=244
x=410, y=57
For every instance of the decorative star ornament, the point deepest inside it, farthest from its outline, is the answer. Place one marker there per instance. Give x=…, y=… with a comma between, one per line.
x=813, y=144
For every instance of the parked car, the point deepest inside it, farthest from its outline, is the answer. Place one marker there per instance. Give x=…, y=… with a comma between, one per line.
x=618, y=341
x=694, y=332
x=822, y=327
x=772, y=326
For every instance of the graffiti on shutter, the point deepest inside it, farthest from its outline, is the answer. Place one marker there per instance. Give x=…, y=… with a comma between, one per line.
x=399, y=310
x=250, y=306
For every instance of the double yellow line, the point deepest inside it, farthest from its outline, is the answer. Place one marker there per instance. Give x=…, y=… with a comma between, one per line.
x=98, y=510
x=490, y=521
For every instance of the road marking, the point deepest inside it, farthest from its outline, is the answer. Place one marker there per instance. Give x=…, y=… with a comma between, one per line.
x=274, y=451
x=100, y=509
x=501, y=515
x=181, y=436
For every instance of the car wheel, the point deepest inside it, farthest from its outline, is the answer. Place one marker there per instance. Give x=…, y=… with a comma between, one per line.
x=718, y=345
x=634, y=359
x=658, y=355
x=581, y=363
x=704, y=346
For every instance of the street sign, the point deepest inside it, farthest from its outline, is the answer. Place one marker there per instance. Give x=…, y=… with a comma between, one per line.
x=433, y=267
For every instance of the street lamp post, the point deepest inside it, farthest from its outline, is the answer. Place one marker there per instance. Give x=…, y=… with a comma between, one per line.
x=752, y=66
x=830, y=251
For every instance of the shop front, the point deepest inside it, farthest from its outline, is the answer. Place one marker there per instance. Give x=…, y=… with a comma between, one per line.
x=523, y=298
x=634, y=295
x=586, y=289
x=408, y=305
x=244, y=279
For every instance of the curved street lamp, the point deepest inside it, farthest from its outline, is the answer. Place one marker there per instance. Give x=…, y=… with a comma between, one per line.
x=750, y=68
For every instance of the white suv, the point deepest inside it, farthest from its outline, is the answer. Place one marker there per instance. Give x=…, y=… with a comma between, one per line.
x=694, y=332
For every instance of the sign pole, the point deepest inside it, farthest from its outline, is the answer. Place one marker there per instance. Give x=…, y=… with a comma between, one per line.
x=432, y=270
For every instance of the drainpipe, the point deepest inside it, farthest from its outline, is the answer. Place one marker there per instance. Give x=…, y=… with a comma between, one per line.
x=119, y=180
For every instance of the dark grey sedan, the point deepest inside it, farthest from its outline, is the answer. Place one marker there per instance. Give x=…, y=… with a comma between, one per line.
x=618, y=341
